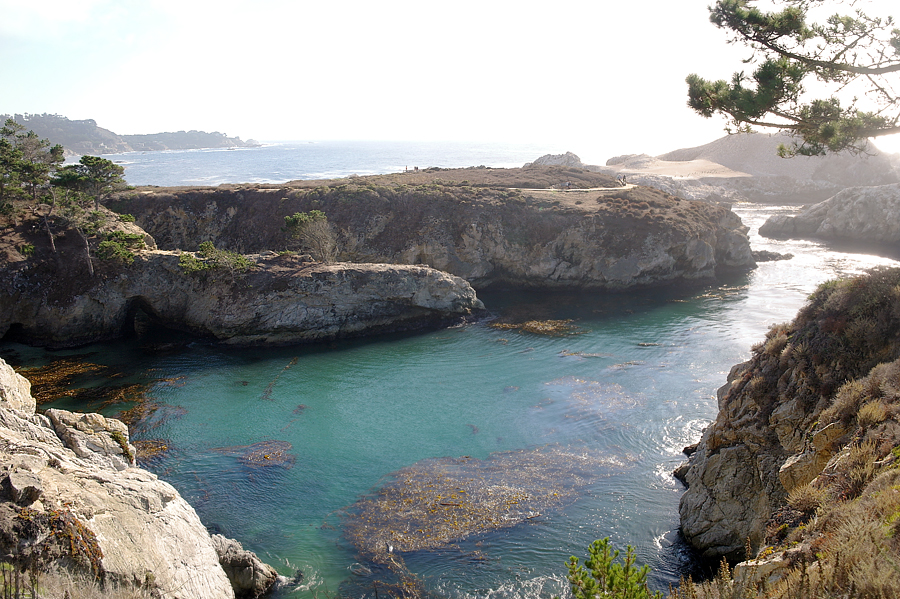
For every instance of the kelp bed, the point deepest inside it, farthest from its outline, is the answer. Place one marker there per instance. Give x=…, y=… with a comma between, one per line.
x=438, y=501
x=555, y=328
x=263, y=453
x=56, y=380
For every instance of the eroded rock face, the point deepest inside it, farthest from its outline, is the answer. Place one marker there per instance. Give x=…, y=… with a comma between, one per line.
x=125, y=524
x=280, y=301
x=866, y=214
x=787, y=415
x=484, y=235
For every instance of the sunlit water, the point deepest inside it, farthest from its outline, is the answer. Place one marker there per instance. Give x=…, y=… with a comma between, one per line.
x=278, y=162
x=636, y=386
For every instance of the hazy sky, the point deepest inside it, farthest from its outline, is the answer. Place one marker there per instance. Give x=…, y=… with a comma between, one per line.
x=594, y=77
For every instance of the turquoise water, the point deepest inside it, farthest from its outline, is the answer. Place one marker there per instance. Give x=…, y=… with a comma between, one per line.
x=635, y=387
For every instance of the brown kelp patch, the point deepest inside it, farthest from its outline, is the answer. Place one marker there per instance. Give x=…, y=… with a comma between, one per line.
x=438, y=501
x=150, y=450
x=553, y=328
x=263, y=453
x=58, y=379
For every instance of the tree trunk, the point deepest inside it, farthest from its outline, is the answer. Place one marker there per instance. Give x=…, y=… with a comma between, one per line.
x=49, y=233
x=87, y=251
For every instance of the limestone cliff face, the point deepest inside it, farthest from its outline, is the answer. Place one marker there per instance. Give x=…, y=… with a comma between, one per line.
x=74, y=474
x=610, y=239
x=867, y=214
x=280, y=300
x=776, y=429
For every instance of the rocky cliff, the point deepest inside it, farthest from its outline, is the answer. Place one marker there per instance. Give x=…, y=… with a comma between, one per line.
x=260, y=300
x=793, y=418
x=863, y=214
x=72, y=499
x=594, y=236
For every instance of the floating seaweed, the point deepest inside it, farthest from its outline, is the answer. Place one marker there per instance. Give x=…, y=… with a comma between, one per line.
x=474, y=428
x=263, y=453
x=438, y=501
x=300, y=409
x=267, y=394
x=553, y=328
x=149, y=450
x=148, y=414
x=580, y=354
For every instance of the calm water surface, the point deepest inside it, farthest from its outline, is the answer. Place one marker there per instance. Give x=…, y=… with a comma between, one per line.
x=635, y=387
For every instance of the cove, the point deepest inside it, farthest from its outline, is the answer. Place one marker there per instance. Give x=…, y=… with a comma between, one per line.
x=634, y=385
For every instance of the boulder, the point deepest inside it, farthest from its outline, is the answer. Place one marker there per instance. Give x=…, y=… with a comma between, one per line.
x=568, y=159
x=861, y=214
x=249, y=576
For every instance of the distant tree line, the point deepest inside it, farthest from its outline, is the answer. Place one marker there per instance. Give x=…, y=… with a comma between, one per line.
x=86, y=137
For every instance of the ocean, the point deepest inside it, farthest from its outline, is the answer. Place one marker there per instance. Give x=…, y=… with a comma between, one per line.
x=278, y=162
x=634, y=385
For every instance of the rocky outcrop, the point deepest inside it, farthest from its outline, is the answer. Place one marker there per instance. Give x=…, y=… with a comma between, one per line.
x=863, y=214
x=788, y=413
x=250, y=577
x=279, y=300
x=568, y=159
x=609, y=239
x=72, y=498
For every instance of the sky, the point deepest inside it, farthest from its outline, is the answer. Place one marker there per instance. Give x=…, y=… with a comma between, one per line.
x=597, y=78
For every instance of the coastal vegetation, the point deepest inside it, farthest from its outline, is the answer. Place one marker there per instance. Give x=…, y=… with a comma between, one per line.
x=208, y=257
x=833, y=530
x=852, y=53
x=605, y=574
x=35, y=184
x=314, y=234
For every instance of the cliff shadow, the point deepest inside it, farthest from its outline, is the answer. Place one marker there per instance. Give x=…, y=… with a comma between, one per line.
x=144, y=324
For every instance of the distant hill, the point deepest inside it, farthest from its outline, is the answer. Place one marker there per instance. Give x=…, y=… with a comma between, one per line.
x=85, y=137
x=747, y=167
x=757, y=154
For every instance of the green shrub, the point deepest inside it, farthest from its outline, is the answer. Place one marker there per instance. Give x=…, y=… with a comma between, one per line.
x=126, y=218
x=113, y=250
x=603, y=576
x=210, y=258
x=26, y=249
x=131, y=240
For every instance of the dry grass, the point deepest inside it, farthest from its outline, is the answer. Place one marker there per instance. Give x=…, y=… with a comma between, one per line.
x=62, y=584
x=840, y=534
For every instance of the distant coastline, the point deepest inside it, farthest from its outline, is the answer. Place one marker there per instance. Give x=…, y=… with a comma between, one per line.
x=86, y=137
